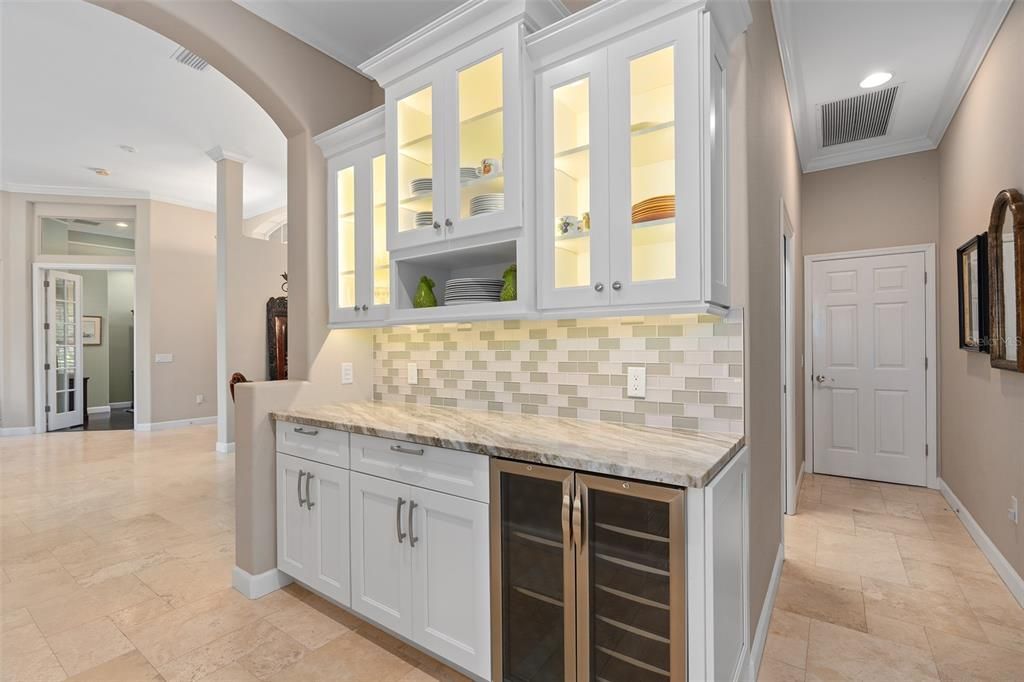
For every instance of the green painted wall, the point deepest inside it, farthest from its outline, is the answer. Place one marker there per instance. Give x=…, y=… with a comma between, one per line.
x=120, y=301
x=97, y=358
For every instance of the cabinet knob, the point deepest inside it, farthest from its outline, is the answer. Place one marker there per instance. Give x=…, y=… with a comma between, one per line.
x=448, y=222
x=365, y=308
x=355, y=308
x=616, y=285
x=599, y=286
x=437, y=225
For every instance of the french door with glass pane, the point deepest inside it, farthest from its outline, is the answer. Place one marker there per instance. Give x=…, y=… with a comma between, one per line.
x=65, y=406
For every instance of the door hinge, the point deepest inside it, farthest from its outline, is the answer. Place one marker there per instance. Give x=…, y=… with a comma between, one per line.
x=926, y=362
x=785, y=389
x=46, y=366
x=926, y=449
x=926, y=277
x=46, y=283
x=47, y=408
x=46, y=326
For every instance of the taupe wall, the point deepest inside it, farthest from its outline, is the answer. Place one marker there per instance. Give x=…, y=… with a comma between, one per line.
x=772, y=174
x=891, y=202
x=981, y=409
x=263, y=261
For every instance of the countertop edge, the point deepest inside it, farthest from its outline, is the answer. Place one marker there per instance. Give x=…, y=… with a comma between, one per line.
x=535, y=457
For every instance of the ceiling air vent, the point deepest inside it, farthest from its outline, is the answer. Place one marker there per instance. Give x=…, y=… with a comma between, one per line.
x=857, y=118
x=189, y=59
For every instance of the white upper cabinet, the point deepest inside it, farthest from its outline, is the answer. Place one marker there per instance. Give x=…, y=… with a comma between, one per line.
x=454, y=102
x=631, y=150
x=358, y=262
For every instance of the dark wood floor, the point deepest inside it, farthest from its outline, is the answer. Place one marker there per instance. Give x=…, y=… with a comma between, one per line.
x=118, y=419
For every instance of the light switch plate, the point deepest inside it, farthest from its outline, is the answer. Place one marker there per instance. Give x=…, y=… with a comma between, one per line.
x=636, y=382
x=346, y=372
x=413, y=373
x=164, y=357
x=200, y=398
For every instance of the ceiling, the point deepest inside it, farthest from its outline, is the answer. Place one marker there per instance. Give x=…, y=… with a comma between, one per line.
x=932, y=48
x=351, y=31
x=79, y=82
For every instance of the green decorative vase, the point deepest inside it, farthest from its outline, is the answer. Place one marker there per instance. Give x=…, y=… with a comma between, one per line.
x=508, y=291
x=425, y=294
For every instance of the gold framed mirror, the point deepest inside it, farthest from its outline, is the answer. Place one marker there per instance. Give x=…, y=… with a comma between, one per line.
x=1006, y=280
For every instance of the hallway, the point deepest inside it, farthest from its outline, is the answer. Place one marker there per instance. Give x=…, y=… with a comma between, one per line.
x=882, y=582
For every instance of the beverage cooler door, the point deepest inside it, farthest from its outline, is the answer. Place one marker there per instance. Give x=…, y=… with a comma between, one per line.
x=533, y=573
x=630, y=582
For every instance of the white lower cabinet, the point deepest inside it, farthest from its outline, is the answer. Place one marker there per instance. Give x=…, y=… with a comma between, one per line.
x=313, y=525
x=420, y=567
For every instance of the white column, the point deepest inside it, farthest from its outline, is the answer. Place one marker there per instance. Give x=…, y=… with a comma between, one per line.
x=229, y=223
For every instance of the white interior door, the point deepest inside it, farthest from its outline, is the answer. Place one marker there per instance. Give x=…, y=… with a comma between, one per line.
x=868, y=371
x=63, y=330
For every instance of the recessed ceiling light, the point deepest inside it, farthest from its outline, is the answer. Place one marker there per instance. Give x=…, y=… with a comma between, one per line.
x=120, y=224
x=876, y=79
x=99, y=171
x=128, y=148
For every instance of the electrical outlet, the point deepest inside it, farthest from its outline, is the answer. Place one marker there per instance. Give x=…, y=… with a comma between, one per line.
x=346, y=372
x=636, y=382
x=1014, y=511
x=200, y=398
x=413, y=373
x=163, y=357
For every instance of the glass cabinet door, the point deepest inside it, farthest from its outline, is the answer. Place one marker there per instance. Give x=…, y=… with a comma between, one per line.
x=533, y=573
x=381, y=281
x=655, y=133
x=415, y=138
x=345, y=249
x=630, y=582
x=573, y=209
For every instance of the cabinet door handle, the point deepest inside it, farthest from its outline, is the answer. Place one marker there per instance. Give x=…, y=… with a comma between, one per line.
x=599, y=286
x=448, y=223
x=305, y=432
x=398, y=520
x=412, y=537
x=302, y=502
x=577, y=508
x=567, y=518
x=365, y=308
x=407, y=451
x=437, y=225
x=355, y=308
x=616, y=285
x=309, y=498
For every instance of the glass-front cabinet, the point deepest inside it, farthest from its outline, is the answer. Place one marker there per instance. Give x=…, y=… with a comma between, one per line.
x=631, y=171
x=455, y=145
x=358, y=262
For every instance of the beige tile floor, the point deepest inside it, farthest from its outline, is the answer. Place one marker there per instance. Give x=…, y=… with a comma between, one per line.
x=881, y=582
x=116, y=551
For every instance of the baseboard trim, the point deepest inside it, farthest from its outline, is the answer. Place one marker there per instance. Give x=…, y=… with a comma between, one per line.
x=225, y=447
x=761, y=633
x=1014, y=582
x=100, y=409
x=175, y=424
x=17, y=431
x=256, y=586
x=126, y=403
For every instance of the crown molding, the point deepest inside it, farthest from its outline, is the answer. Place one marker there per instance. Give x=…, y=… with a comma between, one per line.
x=360, y=130
x=873, y=152
x=219, y=154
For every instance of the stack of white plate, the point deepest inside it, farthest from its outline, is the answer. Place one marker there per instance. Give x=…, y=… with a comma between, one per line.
x=463, y=290
x=422, y=185
x=467, y=173
x=487, y=203
x=424, y=218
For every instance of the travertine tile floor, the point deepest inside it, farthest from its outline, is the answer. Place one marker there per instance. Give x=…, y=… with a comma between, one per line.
x=882, y=582
x=116, y=551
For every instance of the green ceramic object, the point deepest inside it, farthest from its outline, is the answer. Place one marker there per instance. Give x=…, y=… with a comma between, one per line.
x=508, y=291
x=425, y=294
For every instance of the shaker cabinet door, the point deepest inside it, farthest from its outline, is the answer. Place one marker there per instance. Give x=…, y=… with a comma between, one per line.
x=381, y=589
x=294, y=527
x=328, y=505
x=449, y=547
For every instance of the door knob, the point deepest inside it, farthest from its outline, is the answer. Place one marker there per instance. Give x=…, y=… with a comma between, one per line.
x=820, y=378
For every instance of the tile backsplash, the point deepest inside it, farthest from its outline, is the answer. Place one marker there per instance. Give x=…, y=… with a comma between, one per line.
x=573, y=368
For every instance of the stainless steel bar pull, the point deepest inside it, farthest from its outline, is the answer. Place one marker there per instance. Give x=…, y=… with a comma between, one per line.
x=577, y=519
x=567, y=518
x=398, y=520
x=412, y=536
x=407, y=451
x=309, y=498
x=306, y=432
x=302, y=502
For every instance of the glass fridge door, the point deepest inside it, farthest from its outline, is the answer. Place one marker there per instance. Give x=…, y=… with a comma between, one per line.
x=631, y=616
x=533, y=574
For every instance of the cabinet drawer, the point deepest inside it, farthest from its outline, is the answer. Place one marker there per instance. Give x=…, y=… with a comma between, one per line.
x=448, y=471
x=311, y=442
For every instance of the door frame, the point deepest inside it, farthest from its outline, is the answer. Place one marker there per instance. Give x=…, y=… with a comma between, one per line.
x=931, y=354
x=39, y=269
x=787, y=334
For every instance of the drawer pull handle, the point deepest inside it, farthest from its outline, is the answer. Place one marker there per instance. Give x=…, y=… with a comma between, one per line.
x=407, y=451
x=306, y=432
x=398, y=520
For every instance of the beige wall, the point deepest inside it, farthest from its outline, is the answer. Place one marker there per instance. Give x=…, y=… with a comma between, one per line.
x=263, y=261
x=981, y=409
x=891, y=202
x=772, y=174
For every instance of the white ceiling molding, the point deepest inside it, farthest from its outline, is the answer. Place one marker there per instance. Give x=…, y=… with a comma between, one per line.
x=218, y=154
x=357, y=132
x=934, y=52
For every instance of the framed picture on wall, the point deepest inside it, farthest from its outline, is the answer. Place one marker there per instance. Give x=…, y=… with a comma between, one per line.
x=972, y=285
x=92, y=330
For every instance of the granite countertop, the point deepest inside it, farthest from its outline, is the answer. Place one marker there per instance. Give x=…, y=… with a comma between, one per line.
x=680, y=457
